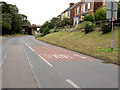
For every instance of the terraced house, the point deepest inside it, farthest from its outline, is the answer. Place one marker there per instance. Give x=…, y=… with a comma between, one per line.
x=86, y=8
x=69, y=12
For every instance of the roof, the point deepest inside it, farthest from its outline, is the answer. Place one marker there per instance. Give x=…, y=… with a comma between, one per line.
x=71, y=7
x=75, y=5
x=65, y=10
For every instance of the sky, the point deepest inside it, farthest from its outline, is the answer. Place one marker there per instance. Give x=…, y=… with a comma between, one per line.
x=39, y=11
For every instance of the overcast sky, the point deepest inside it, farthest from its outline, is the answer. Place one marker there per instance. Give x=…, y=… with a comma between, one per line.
x=39, y=11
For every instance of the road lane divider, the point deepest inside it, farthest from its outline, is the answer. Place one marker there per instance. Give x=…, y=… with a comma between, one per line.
x=72, y=83
x=39, y=55
x=3, y=60
x=31, y=66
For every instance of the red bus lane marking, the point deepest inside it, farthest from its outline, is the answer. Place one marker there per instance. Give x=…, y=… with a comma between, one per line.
x=57, y=54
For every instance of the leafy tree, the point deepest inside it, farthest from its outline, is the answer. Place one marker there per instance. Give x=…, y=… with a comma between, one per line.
x=88, y=17
x=6, y=23
x=54, y=23
x=5, y=7
x=100, y=14
x=24, y=20
x=65, y=22
x=44, y=28
x=12, y=21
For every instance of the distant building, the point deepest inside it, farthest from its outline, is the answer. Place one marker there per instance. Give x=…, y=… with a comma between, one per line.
x=86, y=8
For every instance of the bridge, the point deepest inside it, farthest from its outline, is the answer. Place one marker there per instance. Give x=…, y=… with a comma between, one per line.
x=30, y=28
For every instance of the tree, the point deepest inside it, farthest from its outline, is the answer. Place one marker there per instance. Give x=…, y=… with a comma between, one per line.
x=5, y=7
x=6, y=23
x=24, y=19
x=45, y=28
x=65, y=22
x=12, y=21
x=88, y=17
x=100, y=14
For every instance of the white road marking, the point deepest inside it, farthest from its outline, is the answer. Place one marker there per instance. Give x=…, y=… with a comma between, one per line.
x=72, y=83
x=45, y=61
x=57, y=56
x=38, y=55
x=79, y=56
x=83, y=57
x=3, y=59
x=31, y=66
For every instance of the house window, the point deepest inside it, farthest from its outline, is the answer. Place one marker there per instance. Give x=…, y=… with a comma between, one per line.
x=68, y=14
x=77, y=10
x=65, y=14
x=83, y=8
x=88, y=6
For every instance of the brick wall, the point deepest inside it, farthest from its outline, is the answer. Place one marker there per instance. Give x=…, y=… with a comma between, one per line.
x=97, y=5
x=86, y=7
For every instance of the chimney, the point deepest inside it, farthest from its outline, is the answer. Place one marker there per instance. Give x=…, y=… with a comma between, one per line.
x=71, y=4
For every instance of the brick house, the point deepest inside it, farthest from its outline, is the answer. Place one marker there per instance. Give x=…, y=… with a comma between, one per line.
x=86, y=8
x=69, y=12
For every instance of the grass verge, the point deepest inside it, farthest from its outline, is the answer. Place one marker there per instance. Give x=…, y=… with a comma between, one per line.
x=94, y=43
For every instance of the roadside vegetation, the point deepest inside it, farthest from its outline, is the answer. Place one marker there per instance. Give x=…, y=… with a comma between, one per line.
x=91, y=37
x=12, y=20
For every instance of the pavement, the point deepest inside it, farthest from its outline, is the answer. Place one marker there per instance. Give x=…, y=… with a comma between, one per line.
x=30, y=63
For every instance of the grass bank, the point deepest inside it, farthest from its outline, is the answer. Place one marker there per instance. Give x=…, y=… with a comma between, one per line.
x=94, y=43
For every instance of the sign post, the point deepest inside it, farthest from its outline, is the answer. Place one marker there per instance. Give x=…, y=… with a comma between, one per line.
x=112, y=9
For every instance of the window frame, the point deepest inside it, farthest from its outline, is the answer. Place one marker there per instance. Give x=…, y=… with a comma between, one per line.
x=82, y=8
x=89, y=6
x=78, y=9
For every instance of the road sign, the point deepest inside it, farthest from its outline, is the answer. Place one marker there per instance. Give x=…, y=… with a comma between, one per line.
x=113, y=19
x=112, y=9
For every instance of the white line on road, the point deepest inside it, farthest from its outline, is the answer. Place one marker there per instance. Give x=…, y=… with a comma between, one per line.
x=72, y=83
x=45, y=60
x=39, y=55
x=83, y=57
x=31, y=66
x=3, y=59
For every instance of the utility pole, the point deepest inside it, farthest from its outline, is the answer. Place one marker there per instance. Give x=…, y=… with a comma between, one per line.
x=112, y=25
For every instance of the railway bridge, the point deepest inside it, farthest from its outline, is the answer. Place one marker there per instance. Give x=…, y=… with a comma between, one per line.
x=29, y=29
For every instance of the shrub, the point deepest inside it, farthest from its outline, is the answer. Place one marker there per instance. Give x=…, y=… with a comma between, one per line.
x=39, y=35
x=82, y=25
x=52, y=31
x=88, y=17
x=45, y=30
x=106, y=28
x=88, y=28
x=65, y=22
x=100, y=14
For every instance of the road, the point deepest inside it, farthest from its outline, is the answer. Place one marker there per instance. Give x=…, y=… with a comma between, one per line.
x=29, y=63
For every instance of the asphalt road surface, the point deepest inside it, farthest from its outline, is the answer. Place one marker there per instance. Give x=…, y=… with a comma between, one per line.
x=29, y=63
